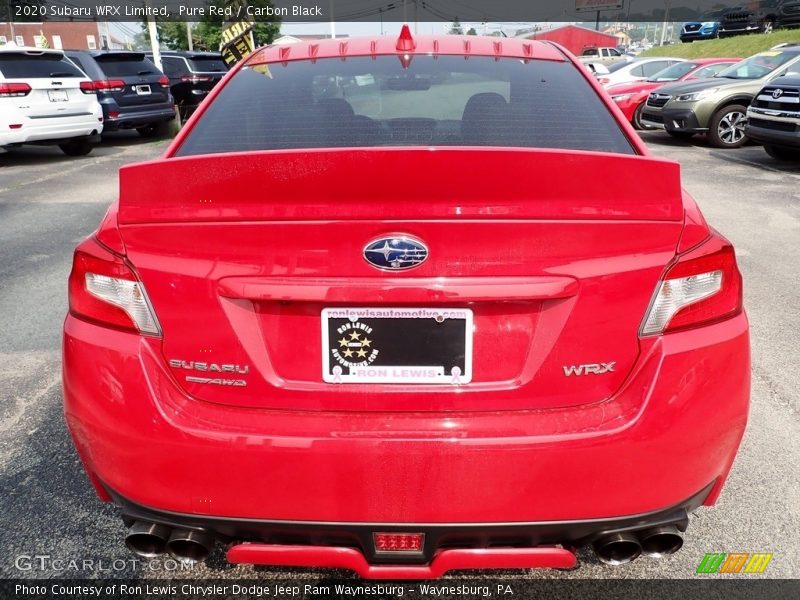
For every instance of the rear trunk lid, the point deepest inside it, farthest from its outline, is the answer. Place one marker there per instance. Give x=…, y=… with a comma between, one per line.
x=240, y=255
x=141, y=78
x=54, y=82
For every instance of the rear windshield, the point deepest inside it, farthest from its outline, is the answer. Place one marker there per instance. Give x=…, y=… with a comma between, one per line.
x=21, y=66
x=125, y=65
x=673, y=72
x=442, y=101
x=208, y=65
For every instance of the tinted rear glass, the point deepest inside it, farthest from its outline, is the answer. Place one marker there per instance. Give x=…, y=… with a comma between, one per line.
x=208, y=65
x=443, y=101
x=126, y=65
x=21, y=66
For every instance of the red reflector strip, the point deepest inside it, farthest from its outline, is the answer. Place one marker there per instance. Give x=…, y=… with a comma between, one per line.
x=398, y=542
x=15, y=126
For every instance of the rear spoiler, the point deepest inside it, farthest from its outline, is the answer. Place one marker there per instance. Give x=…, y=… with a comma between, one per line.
x=401, y=184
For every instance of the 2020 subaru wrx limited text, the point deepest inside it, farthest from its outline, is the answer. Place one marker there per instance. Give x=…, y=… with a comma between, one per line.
x=372, y=311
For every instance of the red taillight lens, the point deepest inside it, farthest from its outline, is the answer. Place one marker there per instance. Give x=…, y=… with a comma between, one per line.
x=104, y=289
x=9, y=90
x=194, y=78
x=109, y=85
x=163, y=81
x=87, y=87
x=398, y=542
x=704, y=286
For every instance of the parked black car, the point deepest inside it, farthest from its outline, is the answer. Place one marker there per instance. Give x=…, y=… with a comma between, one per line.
x=134, y=94
x=789, y=14
x=773, y=118
x=192, y=75
x=760, y=16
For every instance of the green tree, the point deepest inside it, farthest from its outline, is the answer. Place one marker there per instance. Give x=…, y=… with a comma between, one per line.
x=471, y=31
x=206, y=34
x=456, y=28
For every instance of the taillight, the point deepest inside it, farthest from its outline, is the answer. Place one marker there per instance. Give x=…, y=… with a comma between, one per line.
x=13, y=90
x=195, y=78
x=109, y=85
x=704, y=286
x=104, y=289
x=87, y=87
x=163, y=81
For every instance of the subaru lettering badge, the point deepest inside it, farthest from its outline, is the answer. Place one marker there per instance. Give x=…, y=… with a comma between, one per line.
x=395, y=253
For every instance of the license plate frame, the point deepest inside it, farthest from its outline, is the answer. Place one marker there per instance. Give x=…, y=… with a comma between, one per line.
x=401, y=345
x=143, y=90
x=58, y=95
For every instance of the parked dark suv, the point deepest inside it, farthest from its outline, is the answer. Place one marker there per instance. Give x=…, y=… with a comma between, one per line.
x=192, y=75
x=760, y=16
x=773, y=119
x=134, y=94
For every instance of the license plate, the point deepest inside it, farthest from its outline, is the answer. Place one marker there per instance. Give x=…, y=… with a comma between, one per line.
x=142, y=90
x=58, y=95
x=397, y=345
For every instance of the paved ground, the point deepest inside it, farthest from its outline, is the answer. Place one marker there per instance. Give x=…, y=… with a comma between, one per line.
x=48, y=202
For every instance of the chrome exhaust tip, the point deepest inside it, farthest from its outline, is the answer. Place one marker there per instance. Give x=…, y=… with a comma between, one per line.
x=661, y=541
x=190, y=546
x=147, y=539
x=617, y=548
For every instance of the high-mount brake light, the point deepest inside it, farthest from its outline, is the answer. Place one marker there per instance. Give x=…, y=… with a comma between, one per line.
x=104, y=289
x=704, y=286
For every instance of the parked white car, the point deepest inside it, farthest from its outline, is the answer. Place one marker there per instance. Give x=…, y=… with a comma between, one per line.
x=46, y=99
x=639, y=69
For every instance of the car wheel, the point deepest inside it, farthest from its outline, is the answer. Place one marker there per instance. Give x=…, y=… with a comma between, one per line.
x=154, y=130
x=781, y=153
x=768, y=26
x=680, y=135
x=726, y=129
x=77, y=147
x=637, y=118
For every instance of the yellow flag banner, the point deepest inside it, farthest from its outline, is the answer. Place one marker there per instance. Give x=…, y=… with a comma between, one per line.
x=236, y=41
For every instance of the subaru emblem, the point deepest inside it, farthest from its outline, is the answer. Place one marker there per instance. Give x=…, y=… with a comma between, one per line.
x=395, y=253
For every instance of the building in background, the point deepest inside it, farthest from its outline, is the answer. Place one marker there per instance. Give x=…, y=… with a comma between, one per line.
x=75, y=35
x=575, y=38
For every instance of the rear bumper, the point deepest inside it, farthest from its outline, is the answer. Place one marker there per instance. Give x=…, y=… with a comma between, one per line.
x=140, y=118
x=673, y=428
x=54, y=130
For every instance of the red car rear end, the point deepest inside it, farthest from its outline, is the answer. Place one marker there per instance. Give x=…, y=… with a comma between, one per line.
x=371, y=311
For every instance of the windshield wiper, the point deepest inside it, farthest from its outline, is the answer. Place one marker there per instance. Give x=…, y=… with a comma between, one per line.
x=144, y=73
x=62, y=74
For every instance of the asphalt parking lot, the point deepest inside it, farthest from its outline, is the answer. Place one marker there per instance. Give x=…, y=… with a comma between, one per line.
x=48, y=202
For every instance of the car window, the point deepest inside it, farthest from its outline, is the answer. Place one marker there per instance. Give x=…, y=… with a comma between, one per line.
x=77, y=63
x=173, y=66
x=618, y=66
x=125, y=65
x=637, y=71
x=758, y=65
x=613, y=52
x=21, y=65
x=651, y=68
x=591, y=52
x=208, y=65
x=710, y=70
x=673, y=72
x=434, y=101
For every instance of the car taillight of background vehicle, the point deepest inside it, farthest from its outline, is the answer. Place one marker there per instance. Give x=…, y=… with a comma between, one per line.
x=195, y=78
x=104, y=289
x=14, y=90
x=703, y=287
x=163, y=81
x=103, y=85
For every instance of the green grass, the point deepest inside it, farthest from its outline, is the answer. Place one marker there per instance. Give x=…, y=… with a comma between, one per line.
x=738, y=45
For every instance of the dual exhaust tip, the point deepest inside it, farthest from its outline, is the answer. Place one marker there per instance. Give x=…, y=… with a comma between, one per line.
x=622, y=548
x=152, y=539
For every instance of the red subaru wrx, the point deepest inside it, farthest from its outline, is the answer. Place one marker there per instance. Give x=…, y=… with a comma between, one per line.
x=371, y=310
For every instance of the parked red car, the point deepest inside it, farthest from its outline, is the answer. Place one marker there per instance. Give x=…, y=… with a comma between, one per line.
x=630, y=97
x=371, y=311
